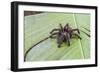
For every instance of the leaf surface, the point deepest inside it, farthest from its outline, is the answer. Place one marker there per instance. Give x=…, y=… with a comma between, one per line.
x=38, y=26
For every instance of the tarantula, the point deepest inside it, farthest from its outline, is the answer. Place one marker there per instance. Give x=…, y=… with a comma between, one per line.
x=64, y=34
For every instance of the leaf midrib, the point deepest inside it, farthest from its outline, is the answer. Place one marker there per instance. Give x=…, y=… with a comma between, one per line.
x=79, y=39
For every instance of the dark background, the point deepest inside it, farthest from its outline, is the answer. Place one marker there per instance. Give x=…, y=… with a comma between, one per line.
x=26, y=13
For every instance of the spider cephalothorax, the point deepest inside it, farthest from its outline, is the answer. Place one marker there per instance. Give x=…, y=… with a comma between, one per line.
x=64, y=34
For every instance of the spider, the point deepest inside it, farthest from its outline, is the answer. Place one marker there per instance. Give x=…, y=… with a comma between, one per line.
x=64, y=34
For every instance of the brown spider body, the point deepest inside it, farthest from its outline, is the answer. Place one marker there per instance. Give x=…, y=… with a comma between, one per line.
x=64, y=34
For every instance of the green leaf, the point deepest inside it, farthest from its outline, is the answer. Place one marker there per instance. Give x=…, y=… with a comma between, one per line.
x=38, y=26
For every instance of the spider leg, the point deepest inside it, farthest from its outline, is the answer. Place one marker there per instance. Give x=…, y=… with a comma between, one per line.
x=77, y=35
x=67, y=28
x=60, y=39
x=54, y=30
x=61, y=27
x=76, y=30
x=67, y=37
x=53, y=35
x=67, y=25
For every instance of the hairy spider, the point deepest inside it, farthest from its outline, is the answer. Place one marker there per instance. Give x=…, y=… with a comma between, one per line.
x=64, y=34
